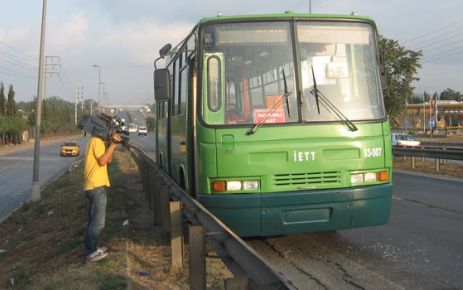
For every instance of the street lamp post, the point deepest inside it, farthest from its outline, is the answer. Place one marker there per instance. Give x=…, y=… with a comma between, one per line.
x=99, y=83
x=35, y=191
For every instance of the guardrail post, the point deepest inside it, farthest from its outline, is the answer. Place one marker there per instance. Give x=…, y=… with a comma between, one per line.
x=437, y=162
x=413, y=162
x=176, y=234
x=151, y=191
x=157, y=200
x=237, y=283
x=197, y=258
x=164, y=204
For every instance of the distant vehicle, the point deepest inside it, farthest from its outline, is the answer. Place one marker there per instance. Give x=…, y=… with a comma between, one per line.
x=133, y=128
x=404, y=140
x=142, y=131
x=70, y=148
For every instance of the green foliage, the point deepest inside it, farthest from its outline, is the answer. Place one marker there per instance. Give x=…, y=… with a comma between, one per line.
x=12, y=125
x=11, y=104
x=2, y=99
x=449, y=94
x=57, y=116
x=150, y=123
x=401, y=65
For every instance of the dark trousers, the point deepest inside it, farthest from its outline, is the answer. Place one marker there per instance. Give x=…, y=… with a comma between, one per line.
x=96, y=218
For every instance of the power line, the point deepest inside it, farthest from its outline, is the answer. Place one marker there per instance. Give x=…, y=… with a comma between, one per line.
x=432, y=32
x=445, y=54
x=18, y=64
x=17, y=50
x=11, y=72
x=439, y=41
x=16, y=59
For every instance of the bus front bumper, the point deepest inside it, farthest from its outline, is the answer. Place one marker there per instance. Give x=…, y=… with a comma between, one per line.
x=279, y=213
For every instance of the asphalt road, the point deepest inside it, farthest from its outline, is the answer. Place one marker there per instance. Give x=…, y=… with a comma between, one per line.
x=16, y=173
x=420, y=248
x=146, y=143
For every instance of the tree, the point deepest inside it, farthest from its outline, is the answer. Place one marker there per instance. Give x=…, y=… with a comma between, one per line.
x=11, y=104
x=449, y=94
x=2, y=99
x=401, y=65
x=150, y=123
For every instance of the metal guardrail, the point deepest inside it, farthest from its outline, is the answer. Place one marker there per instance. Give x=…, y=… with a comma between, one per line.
x=450, y=154
x=440, y=155
x=443, y=145
x=240, y=259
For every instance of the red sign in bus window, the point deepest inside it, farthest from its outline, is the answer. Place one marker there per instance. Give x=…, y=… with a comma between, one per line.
x=268, y=116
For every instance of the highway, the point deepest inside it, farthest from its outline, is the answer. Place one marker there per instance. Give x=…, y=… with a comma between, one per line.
x=420, y=248
x=16, y=172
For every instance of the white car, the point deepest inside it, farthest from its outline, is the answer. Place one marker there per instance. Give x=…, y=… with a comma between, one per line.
x=142, y=131
x=404, y=140
x=133, y=128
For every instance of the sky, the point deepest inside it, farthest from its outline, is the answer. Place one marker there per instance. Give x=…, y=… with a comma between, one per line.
x=124, y=37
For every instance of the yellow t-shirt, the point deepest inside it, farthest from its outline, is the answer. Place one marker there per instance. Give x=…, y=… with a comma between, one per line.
x=94, y=174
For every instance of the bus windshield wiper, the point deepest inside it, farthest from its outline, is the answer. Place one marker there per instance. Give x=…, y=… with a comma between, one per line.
x=330, y=107
x=273, y=109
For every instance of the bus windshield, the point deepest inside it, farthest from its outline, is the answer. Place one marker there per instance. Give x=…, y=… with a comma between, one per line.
x=341, y=57
x=258, y=58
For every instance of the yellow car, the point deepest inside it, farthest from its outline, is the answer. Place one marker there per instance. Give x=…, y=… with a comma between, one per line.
x=70, y=148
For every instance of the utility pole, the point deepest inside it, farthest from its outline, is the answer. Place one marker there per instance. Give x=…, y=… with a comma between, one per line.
x=91, y=107
x=52, y=63
x=82, y=100
x=35, y=192
x=310, y=6
x=78, y=97
x=99, y=83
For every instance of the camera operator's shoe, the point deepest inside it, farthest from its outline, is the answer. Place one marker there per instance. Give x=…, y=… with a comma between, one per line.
x=103, y=249
x=97, y=255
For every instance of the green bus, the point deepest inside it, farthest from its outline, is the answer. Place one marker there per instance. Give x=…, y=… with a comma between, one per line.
x=276, y=123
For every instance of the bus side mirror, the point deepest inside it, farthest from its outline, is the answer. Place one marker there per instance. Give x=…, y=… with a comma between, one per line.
x=161, y=85
x=165, y=50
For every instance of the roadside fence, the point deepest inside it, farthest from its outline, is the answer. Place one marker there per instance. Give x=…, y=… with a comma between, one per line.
x=172, y=207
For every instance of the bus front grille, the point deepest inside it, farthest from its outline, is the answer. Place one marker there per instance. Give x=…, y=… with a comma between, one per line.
x=312, y=179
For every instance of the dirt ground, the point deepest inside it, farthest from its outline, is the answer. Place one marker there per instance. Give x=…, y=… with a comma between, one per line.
x=42, y=247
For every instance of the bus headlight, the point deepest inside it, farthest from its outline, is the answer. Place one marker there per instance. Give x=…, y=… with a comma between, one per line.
x=356, y=178
x=250, y=185
x=369, y=177
x=234, y=185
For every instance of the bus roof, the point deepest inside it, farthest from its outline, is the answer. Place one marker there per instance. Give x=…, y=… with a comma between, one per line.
x=286, y=15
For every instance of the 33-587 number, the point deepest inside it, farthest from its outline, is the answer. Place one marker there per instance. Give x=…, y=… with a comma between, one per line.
x=371, y=152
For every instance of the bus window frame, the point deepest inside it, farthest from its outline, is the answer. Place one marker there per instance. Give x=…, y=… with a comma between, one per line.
x=201, y=115
x=218, y=92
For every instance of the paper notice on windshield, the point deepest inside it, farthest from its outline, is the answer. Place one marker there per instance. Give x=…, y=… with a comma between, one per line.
x=268, y=117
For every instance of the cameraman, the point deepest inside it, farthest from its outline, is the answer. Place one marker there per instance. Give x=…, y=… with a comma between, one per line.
x=96, y=179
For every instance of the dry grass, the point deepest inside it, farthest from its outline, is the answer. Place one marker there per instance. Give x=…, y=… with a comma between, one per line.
x=45, y=248
x=448, y=168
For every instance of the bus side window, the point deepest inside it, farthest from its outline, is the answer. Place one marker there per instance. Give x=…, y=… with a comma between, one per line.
x=214, y=92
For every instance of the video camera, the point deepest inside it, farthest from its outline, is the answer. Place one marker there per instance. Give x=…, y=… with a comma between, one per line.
x=104, y=126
